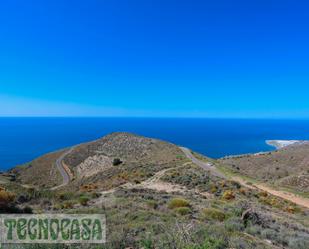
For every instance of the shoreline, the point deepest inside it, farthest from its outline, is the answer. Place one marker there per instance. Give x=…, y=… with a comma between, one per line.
x=279, y=144
x=275, y=144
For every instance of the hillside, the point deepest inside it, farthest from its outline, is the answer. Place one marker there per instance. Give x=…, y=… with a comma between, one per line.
x=156, y=196
x=286, y=167
x=39, y=172
x=139, y=158
x=92, y=162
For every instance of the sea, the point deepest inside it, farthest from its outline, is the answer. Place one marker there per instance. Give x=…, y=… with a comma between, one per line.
x=24, y=139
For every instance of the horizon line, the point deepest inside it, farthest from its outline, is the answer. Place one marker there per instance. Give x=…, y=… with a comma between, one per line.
x=165, y=117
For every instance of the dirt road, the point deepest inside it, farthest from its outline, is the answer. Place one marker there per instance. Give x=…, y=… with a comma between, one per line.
x=301, y=201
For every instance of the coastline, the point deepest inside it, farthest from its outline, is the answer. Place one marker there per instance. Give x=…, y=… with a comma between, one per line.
x=279, y=144
x=276, y=144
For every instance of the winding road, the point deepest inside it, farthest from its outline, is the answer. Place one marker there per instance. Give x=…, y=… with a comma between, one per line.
x=63, y=171
x=205, y=165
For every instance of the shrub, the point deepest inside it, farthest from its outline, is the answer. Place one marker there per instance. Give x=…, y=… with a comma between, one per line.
x=68, y=205
x=7, y=202
x=27, y=210
x=83, y=200
x=269, y=234
x=117, y=162
x=214, y=214
x=180, y=157
x=95, y=195
x=234, y=224
x=254, y=230
x=147, y=243
x=88, y=187
x=223, y=184
x=211, y=243
x=6, y=197
x=239, y=243
x=243, y=191
x=228, y=195
x=293, y=209
x=263, y=194
x=183, y=210
x=178, y=202
x=152, y=204
x=213, y=189
x=235, y=184
x=299, y=243
x=64, y=196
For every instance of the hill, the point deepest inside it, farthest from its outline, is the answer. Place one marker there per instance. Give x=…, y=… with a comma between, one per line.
x=286, y=167
x=157, y=195
x=94, y=162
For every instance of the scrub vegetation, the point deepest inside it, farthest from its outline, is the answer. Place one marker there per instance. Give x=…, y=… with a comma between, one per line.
x=158, y=198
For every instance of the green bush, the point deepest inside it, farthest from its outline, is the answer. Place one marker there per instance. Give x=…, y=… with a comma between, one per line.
x=83, y=200
x=147, y=243
x=214, y=214
x=178, y=202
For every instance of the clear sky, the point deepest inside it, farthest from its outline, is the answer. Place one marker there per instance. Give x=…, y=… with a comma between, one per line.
x=167, y=58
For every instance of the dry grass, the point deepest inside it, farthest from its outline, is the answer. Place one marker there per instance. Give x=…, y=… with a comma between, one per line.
x=178, y=202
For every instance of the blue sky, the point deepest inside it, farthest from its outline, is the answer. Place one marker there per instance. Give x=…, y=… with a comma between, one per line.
x=155, y=58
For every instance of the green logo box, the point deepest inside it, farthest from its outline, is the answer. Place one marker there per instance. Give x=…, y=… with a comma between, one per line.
x=52, y=228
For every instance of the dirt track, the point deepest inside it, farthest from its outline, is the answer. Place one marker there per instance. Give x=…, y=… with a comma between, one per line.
x=301, y=201
x=282, y=194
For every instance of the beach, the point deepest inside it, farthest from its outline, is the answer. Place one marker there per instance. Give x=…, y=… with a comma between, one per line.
x=279, y=144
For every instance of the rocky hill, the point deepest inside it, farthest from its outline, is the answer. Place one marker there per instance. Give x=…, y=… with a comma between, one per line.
x=138, y=158
x=94, y=162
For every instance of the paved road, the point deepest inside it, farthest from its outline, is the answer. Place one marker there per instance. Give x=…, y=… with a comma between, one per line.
x=206, y=166
x=65, y=175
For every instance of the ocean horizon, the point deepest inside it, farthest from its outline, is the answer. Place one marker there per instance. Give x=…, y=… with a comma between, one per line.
x=24, y=139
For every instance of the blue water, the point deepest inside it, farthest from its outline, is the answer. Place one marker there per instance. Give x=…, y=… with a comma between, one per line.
x=23, y=139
